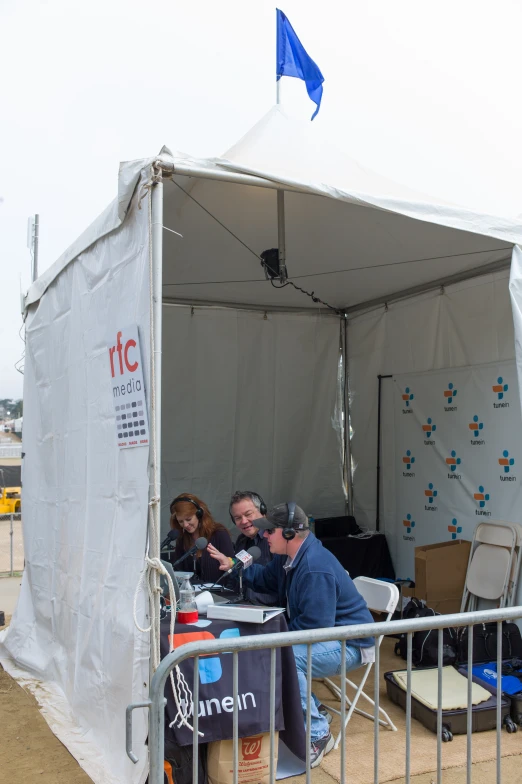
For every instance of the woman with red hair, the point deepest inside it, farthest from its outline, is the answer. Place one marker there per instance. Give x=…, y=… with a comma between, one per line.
x=192, y=518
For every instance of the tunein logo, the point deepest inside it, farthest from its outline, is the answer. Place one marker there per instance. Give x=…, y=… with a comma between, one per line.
x=408, y=460
x=428, y=429
x=453, y=461
x=407, y=397
x=454, y=528
x=506, y=463
x=430, y=493
x=481, y=497
x=408, y=523
x=500, y=388
x=476, y=427
x=450, y=393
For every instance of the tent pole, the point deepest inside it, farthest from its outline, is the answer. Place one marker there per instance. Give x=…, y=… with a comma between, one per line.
x=378, y=488
x=236, y=178
x=156, y=316
x=36, y=239
x=347, y=417
x=423, y=288
x=281, y=239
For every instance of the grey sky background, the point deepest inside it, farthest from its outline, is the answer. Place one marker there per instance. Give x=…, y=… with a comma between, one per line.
x=425, y=93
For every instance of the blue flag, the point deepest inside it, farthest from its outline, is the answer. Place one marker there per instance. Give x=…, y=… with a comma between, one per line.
x=292, y=60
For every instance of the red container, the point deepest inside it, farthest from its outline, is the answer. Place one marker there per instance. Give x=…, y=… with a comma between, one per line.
x=187, y=617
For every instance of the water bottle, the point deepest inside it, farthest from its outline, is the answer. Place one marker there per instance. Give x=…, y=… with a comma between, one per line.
x=187, y=608
x=311, y=523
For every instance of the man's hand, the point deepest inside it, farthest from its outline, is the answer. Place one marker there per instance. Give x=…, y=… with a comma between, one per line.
x=224, y=562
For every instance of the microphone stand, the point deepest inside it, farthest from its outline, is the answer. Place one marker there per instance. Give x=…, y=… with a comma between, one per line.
x=227, y=574
x=241, y=596
x=185, y=555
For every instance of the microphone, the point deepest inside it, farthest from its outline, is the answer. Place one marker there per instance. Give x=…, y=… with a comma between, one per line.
x=244, y=559
x=171, y=537
x=199, y=544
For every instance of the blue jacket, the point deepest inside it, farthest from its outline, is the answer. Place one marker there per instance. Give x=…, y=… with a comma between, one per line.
x=317, y=591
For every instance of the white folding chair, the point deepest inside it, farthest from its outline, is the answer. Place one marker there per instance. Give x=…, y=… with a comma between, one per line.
x=493, y=566
x=380, y=597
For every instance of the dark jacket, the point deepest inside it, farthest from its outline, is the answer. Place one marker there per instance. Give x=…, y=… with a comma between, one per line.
x=206, y=568
x=244, y=542
x=317, y=591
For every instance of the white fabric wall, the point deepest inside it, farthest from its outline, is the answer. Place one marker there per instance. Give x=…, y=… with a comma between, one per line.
x=72, y=638
x=470, y=323
x=247, y=403
x=437, y=500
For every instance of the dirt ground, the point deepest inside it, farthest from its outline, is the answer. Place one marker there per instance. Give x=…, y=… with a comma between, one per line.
x=29, y=752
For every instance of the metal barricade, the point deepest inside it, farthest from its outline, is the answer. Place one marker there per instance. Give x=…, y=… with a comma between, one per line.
x=235, y=645
x=11, y=450
x=11, y=544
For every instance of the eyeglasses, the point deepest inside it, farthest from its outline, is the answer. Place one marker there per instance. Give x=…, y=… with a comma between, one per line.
x=270, y=531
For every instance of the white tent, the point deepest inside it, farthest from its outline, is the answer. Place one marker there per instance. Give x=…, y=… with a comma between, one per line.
x=242, y=381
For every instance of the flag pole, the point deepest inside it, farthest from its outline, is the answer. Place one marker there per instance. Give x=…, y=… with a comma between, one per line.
x=281, y=239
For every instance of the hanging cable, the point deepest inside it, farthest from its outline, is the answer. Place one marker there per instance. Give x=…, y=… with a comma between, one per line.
x=289, y=282
x=312, y=295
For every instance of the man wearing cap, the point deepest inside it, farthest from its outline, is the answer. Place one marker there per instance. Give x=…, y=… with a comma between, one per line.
x=318, y=593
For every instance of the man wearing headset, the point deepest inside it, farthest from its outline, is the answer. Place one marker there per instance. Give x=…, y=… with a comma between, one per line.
x=318, y=593
x=245, y=507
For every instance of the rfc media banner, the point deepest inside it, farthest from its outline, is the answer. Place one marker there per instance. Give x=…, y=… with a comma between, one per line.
x=128, y=388
x=458, y=436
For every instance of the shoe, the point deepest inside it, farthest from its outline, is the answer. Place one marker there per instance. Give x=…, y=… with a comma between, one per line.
x=319, y=748
x=325, y=713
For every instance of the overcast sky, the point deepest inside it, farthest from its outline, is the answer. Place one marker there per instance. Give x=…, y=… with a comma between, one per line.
x=427, y=93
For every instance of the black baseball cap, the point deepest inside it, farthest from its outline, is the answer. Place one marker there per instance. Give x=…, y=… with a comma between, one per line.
x=277, y=517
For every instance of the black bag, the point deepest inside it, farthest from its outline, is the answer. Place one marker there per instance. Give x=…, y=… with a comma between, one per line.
x=424, y=651
x=485, y=642
x=178, y=762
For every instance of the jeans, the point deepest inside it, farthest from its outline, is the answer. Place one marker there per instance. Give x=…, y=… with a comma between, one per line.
x=326, y=661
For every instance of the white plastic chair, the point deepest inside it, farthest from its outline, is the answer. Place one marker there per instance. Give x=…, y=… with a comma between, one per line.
x=494, y=565
x=380, y=597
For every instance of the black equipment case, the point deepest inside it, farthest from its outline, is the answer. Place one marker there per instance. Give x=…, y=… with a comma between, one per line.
x=454, y=722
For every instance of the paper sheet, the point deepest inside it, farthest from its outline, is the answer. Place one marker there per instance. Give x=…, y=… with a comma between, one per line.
x=424, y=685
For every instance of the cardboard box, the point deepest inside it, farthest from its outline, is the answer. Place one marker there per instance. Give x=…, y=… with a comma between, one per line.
x=440, y=574
x=253, y=760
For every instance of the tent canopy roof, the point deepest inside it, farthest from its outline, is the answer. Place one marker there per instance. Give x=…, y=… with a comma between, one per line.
x=352, y=236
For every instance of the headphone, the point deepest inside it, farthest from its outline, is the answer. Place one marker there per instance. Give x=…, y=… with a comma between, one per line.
x=254, y=497
x=199, y=510
x=288, y=532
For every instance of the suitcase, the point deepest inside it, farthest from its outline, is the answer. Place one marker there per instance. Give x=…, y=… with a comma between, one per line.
x=509, y=685
x=454, y=722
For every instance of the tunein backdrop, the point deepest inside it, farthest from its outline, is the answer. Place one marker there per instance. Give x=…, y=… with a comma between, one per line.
x=458, y=438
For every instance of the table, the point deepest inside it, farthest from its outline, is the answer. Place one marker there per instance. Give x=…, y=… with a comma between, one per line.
x=215, y=687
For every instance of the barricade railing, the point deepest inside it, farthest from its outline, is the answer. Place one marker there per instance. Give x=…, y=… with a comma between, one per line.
x=11, y=451
x=11, y=544
x=235, y=645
